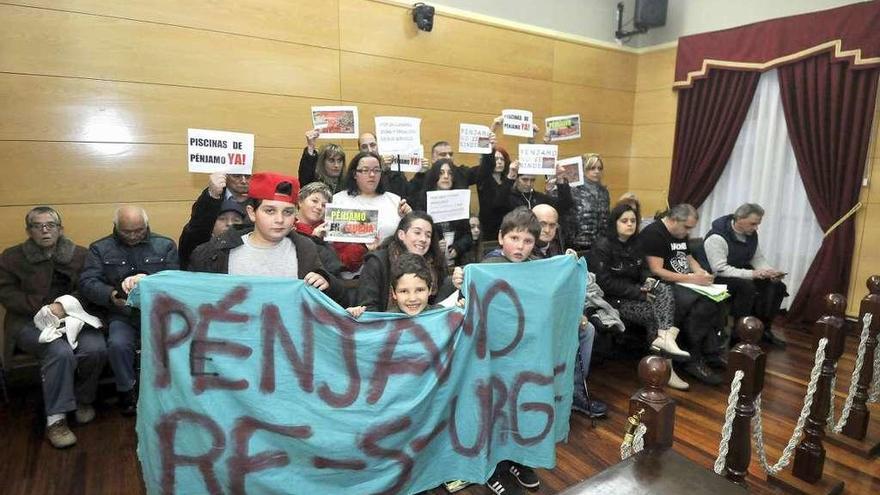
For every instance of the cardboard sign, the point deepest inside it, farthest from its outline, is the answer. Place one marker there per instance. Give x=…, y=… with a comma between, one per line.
x=572, y=170
x=474, y=138
x=265, y=385
x=445, y=206
x=339, y=122
x=517, y=123
x=537, y=159
x=563, y=128
x=210, y=151
x=398, y=135
x=351, y=225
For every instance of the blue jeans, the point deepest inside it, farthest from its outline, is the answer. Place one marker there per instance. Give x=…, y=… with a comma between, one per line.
x=582, y=362
x=122, y=340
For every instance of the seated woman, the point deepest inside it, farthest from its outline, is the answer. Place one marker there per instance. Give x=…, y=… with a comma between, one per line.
x=364, y=190
x=621, y=272
x=310, y=206
x=324, y=165
x=454, y=236
x=415, y=234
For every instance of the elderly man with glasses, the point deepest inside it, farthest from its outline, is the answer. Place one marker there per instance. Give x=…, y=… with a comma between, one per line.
x=34, y=276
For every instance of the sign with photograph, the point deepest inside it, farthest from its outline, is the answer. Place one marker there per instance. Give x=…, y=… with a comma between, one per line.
x=563, y=128
x=537, y=159
x=351, y=225
x=340, y=122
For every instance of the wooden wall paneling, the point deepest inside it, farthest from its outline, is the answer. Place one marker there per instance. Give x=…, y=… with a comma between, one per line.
x=86, y=223
x=38, y=41
x=38, y=172
x=593, y=66
x=309, y=23
x=651, y=200
x=605, y=139
x=655, y=107
x=389, y=31
x=656, y=69
x=70, y=109
x=371, y=79
x=596, y=105
x=653, y=140
x=649, y=173
x=874, y=180
x=616, y=174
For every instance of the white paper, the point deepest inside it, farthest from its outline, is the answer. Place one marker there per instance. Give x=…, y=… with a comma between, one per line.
x=712, y=290
x=336, y=122
x=537, y=159
x=210, y=151
x=474, y=138
x=573, y=169
x=563, y=128
x=398, y=135
x=409, y=162
x=517, y=123
x=445, y=206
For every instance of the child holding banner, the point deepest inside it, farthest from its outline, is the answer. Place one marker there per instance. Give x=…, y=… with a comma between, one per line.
x=415, y=234
x=411, y=283
x=272, y=247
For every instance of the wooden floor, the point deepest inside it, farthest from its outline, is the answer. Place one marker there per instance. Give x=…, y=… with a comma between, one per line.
x=105, y=462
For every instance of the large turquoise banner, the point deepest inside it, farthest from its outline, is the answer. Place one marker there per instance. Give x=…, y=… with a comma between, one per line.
x=264, y=385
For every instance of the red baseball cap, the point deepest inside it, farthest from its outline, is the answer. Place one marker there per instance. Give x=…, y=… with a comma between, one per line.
x=264, y=185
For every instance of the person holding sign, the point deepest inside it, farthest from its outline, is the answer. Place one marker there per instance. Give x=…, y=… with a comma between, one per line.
x=519, y=190
x=271, y=247
x=324, y=165
x=415, y=234
x=311, y=204
x=440, y=177
x=589, y=215
x=365, y=189
x=493, y=168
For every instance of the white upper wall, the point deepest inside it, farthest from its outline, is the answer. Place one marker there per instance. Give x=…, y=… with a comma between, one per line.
x=596, y=19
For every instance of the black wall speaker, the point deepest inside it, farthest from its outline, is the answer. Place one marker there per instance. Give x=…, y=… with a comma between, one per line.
x=650, y=13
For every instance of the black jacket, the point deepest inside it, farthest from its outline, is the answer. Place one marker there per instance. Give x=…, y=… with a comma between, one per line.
x=201, y=224
x=307, y=173
x=509, y=198
x=487, y=192
x=213, y=257
x=374, y=288
x=620, y=268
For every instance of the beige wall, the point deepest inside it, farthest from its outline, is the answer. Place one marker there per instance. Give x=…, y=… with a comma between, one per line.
x=98, y=95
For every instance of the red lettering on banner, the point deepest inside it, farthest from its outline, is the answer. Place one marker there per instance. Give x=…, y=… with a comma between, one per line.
x=240, y=463
x=164, y=308
x=201, y=345
x=166, y=430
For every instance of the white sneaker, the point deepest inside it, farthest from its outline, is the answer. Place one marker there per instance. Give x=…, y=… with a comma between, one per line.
x=85, y=413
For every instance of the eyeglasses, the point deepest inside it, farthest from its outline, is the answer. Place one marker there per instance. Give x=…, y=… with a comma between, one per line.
x=44, y=226
x=368, y=171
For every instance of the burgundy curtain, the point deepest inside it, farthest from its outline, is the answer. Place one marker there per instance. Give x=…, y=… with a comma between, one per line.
x=828, y=110
x=709, y=117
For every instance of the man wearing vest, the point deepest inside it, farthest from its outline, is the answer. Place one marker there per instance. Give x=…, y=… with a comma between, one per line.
x=734, y=256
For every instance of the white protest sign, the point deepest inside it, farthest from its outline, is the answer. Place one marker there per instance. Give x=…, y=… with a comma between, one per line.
x=398, y=135
x=409, y=162
x=445, y=206
x=517, y=123
x=340, y=122
x=474, y=138
x=572, y=170
x=563, y=127
x=537, y=159
x=210, y=151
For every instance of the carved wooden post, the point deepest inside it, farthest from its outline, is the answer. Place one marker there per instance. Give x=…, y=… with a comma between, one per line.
x=809, y=457
x=658, y=408
x=857, y=425
x=749, y=358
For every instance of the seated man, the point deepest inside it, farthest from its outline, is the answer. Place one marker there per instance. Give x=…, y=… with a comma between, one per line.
x=549, y=243
x=665, y=246
x=114, y=264
x=202, y=227
x=272, y=246
x=210, y=207
x=734, y=256
x=32, y=275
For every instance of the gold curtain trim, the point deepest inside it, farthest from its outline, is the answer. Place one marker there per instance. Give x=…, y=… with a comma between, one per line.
x=837, y=45
x=850, y=213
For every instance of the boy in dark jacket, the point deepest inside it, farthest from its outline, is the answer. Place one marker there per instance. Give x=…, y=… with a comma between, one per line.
x=271, y=246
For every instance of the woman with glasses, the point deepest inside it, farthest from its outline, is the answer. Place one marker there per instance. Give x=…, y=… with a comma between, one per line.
x=364, y=190
x=324, y=165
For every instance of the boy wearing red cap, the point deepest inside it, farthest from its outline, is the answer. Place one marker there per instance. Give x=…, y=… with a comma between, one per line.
x=271, y=246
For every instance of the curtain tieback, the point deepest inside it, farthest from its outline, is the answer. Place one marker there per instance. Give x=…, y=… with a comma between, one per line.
x=848, y=214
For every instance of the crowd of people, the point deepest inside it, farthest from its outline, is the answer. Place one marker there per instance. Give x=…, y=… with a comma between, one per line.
x=272, y=224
